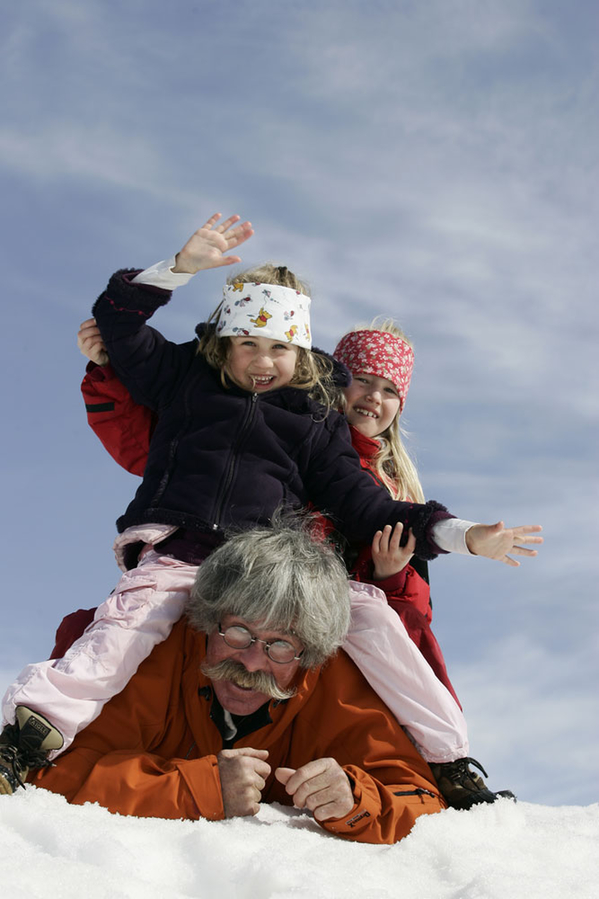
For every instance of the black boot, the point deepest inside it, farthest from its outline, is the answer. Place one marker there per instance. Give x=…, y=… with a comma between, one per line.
x=461, y=787
x=25, y=745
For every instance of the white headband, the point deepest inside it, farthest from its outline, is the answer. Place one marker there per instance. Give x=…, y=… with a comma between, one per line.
x=265, y=310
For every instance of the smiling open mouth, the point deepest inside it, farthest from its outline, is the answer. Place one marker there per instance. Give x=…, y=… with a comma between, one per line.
x=368, y=413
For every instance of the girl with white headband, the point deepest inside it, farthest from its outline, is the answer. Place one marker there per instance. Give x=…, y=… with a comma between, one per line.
x=243, y=428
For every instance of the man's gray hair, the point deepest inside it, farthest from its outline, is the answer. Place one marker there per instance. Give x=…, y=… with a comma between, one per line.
x=281, y=577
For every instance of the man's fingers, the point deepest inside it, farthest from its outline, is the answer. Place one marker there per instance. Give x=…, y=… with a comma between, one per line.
x=246, y=750
x=323, y=787
x=301, y=775
x=283, y=774
x=313, y=791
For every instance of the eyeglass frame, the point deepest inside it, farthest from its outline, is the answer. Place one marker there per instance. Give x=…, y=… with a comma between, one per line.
x=267, y=643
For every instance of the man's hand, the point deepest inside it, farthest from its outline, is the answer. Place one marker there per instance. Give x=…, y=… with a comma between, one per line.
x=321, y=786
x=206, y=248
x=243, y=774
x=89, y=341
x=495, y=541
x=387, y=555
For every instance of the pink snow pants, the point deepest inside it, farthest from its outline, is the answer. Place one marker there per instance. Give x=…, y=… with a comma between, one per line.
x=394, y=667
x=141, y=612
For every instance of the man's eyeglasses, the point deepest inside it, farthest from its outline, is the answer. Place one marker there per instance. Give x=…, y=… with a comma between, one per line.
x=238, y=637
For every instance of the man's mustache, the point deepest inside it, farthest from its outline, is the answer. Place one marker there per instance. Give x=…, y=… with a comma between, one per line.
x=260, y=681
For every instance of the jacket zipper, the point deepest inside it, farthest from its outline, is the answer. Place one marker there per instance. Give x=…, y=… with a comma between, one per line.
x=418, y=792
x=235, y=453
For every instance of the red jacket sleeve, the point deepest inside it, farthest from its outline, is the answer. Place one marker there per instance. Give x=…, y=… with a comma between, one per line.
x=123, y=426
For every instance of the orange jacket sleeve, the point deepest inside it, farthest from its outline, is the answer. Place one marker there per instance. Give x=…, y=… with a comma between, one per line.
x=392, y=784
x=132, y=758
x=138, y=783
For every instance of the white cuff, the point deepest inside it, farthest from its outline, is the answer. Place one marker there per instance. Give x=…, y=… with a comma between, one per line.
x=450, y=535
x=161, y=275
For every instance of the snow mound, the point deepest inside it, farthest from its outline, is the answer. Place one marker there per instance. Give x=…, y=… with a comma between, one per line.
x=503, y=851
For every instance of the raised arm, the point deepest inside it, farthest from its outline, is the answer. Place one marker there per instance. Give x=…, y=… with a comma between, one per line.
x=150, y=366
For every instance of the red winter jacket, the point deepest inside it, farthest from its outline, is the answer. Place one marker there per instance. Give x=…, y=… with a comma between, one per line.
x=125, y=429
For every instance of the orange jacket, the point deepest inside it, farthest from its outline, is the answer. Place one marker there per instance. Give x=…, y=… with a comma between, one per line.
x=153, y=750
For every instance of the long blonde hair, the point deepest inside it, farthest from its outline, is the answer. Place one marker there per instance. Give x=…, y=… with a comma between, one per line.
x=392, y=462
x=313, y=371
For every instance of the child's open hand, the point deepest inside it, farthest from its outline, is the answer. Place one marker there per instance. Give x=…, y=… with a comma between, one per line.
x=387, y=555
x=495, y=541
x=89, y=341
x=206, y=248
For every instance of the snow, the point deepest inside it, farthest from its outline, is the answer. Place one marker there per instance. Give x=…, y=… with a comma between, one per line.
x=502, y=851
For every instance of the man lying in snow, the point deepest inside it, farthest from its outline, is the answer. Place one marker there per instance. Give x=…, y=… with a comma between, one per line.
x=249, y=701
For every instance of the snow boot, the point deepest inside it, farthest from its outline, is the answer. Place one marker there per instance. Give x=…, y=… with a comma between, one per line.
x=461, y=787
x=25, y=745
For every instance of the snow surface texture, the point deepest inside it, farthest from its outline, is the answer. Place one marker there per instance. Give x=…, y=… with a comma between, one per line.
x=503, y=851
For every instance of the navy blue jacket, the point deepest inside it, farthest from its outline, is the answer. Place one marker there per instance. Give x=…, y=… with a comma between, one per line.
x=223, y=457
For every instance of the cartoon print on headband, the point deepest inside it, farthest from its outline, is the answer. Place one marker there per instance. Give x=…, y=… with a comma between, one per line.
x=270, y=310
x=261, y=319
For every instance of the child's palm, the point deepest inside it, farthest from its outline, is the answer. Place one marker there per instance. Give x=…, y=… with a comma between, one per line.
x=209, y=245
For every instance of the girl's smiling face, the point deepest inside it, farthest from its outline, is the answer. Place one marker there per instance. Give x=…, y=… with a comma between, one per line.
x=371, y=403
x=259, y=364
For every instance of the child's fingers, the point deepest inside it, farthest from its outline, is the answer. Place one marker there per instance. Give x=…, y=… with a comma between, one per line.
x=386, y=538
x=227, y=223
x=411, y=542
x=211, y=221
x=395, y=537
x=376, y=543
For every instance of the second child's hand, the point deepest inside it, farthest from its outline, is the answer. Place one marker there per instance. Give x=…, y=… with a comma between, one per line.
x=388, y=557
x=209, y=246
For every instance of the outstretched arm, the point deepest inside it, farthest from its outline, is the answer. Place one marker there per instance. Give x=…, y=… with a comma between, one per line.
x=150, y=366
x=495, y=541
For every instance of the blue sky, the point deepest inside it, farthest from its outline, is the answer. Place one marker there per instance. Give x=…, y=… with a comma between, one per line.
x=436, y=161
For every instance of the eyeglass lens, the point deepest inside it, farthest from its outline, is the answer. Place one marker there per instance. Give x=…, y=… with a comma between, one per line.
x=238, y=637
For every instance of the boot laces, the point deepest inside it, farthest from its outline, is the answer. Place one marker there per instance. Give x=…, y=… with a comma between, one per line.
x=11, y=755
x=460, y=769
